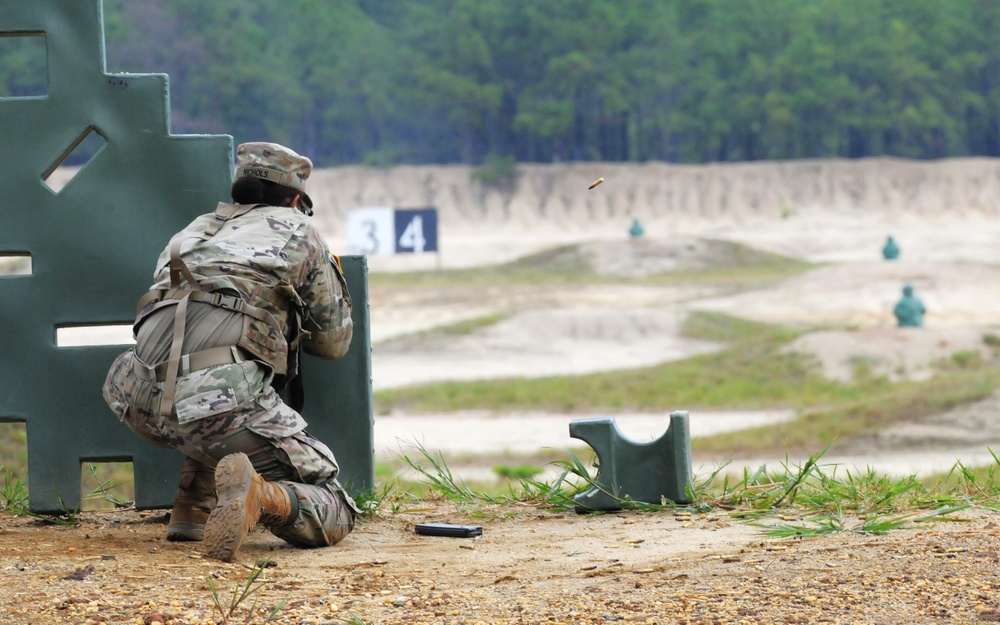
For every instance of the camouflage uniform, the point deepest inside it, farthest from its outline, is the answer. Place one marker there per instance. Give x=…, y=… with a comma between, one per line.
x=228, y=408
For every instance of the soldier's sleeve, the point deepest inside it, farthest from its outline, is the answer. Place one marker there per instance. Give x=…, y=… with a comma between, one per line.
x=328, y=303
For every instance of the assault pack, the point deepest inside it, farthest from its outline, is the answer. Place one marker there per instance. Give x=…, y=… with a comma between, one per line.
x=261, y=336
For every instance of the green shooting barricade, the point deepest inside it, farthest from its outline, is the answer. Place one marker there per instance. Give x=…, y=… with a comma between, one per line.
x=648, y=472
x=92, y=244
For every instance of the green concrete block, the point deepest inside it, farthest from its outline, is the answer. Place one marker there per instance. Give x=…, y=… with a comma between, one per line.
x=93, y=246
x=646, y=472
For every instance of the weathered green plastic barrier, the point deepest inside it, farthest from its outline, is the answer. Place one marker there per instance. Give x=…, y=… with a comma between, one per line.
x=93, y=244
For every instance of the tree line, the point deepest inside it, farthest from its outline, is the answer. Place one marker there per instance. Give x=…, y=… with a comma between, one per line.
x=384, y=82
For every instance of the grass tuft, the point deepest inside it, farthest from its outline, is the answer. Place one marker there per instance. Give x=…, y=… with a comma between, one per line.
x=241, y=593
x=13, y=493
x=796, y=501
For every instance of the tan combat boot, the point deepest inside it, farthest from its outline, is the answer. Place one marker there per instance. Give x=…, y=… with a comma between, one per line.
x=245, y=499
x=193, y=502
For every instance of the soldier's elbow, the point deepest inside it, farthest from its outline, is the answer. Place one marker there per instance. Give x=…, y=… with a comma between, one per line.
x=329, y=344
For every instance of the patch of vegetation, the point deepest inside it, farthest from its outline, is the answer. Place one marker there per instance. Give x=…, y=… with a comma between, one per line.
x=965, y=359
x=451, y=330
x=107, y=485
x=722, y=328
x=737, y=264
x=13, y=492
x=753, y=373
x=568, y=265
x=242, y=592
x=790, y=502
x=519, y=472
x=979, y=483
x=864, y=501
x=13, y=444
x=497, y=172
x=866, y=414
x=441, y=482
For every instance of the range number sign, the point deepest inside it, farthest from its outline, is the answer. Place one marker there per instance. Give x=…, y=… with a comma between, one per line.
x=384, y=231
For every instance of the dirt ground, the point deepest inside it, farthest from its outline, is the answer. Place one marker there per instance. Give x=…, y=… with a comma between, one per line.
x=529, y=566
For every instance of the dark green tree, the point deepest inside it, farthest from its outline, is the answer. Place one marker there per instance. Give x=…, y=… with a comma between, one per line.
x=467, y=81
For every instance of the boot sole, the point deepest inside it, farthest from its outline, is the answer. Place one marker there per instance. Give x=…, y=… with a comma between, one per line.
x=186, y=532
x=224, y=531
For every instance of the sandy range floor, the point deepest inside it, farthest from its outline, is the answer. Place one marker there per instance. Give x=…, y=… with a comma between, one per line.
x=529, y=566
x=952, y=265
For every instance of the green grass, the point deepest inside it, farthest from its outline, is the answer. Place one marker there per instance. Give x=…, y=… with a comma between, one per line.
x=242, y=593
x=441, y=482
x=809, y=500
x=517, y=472
x=452, y=330
x=13, y=444
x=569, y=265
x=860, y=416
x=739, y=266
x=978, y=482
x=752, y=373
x=107, y=485
x=795, y=501
x=13, y=491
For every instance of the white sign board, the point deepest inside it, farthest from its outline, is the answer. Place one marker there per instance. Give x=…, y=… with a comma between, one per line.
x=371, y=231
x=383, y=231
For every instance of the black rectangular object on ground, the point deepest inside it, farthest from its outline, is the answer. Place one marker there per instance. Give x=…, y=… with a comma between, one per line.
x=448, y=529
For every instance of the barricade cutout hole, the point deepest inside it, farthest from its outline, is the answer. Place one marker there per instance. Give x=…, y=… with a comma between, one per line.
x=90, y=335
x=24, y=65
x=13, y=450
x=73, y=161
x=15, y=264
x=106, y=485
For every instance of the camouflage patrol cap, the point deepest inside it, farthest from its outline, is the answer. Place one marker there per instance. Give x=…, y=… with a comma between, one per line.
x=270, y=161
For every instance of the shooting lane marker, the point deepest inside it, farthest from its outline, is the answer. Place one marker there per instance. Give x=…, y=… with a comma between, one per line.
x=596, y=182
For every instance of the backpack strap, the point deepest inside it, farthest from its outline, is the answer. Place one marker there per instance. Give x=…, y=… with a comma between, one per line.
x=223, y=213
x=178, y=267
x=174, y=360
x=151, y=298
x=179, y=295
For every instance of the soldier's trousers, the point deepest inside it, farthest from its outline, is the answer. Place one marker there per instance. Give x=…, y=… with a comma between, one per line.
x=232, y=408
